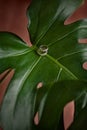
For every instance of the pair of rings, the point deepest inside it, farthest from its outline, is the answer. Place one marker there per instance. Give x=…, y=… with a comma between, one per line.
x=42, y=50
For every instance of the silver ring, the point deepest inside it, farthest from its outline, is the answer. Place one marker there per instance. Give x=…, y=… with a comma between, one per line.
x=42, y=50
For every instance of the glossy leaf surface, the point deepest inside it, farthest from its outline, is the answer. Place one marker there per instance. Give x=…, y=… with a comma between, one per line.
x=63, y=62
x=54, y=100
x=47, y=27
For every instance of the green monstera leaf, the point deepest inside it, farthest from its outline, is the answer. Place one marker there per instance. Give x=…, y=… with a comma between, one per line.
x=56, y=56
x=53, y=101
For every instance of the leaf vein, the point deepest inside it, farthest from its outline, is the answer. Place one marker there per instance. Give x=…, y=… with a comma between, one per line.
x=69, y=54
x=63, y=67
x=64, y=36
x=26, y=75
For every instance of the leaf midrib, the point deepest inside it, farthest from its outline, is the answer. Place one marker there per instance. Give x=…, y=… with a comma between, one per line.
x=61, y=66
